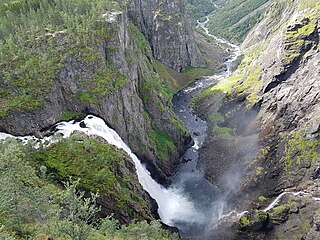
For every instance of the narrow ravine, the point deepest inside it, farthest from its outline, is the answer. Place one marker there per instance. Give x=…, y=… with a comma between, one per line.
x=207, y=198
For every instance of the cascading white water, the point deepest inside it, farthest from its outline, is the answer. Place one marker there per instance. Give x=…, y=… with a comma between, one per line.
x=173, y=205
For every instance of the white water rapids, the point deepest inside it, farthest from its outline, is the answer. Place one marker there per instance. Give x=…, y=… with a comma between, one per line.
x=173, y=206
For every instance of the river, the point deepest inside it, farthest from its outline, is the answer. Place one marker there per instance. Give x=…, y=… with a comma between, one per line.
x=206, y=198
x=191, y=203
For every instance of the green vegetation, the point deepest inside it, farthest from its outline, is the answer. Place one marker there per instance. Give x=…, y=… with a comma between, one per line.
x=257, y=218
x=244, y=221
x=152, y=84
x=263, y=153
x=248, y=72
x=97, y=164
x=259, y=171
x=195, y=72
x=299, y=150
x=234, y=20
x=32, y=207
x=140, y=40
x=262, y=198
x=87, y=98
x=179, y=125
x=67, y=116
x=156, y=90
x=295, y=38
x=308, y=4
x=216, y=118
x=174, y=79
x=37, y=36
x=111, y=229
x=200, y=8
x=221, y=132
x=163, y=142
x=281, y=213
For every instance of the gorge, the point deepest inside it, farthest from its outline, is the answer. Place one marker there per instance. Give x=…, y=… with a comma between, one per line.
x=157, y=116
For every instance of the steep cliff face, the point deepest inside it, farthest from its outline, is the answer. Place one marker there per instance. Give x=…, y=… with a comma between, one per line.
x=274, y=95
x=167, y=27
x=113, y=76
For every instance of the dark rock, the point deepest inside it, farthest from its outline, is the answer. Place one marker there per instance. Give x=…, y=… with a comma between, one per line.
x=316, y=173
x=185, y=160
x=164, y=36
x=305, y=165
x=82, y=124
x=316, y=221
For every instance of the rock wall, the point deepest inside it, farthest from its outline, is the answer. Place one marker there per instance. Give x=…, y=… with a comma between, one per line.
x=124, y=58
x=275, y=93
x=167, y=27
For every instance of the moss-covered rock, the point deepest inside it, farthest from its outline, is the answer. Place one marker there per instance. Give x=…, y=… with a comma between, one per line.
x=299, y=38
x=255, y=221
x=100, y=167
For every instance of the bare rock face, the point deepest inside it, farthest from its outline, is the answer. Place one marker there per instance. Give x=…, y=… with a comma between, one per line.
x=290, y=71
x=167, y=28
x=278, y=83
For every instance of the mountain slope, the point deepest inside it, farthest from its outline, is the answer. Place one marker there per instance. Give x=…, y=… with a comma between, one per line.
x=274, y=94
x=234, y=19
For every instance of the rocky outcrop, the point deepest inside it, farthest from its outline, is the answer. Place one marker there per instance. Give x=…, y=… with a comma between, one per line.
x=102, y=168
x=275, y=92
x=108, y=78
x=167, y=27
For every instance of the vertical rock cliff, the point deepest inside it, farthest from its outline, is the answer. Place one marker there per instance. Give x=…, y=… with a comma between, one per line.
x=167, y=28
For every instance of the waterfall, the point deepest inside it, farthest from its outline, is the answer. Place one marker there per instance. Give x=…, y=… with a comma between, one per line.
x=173, y=205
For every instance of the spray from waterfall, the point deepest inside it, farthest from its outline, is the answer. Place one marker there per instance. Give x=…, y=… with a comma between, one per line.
x=173, y=204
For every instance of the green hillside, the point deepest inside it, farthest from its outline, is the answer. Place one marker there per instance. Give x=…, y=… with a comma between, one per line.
x=235, y=19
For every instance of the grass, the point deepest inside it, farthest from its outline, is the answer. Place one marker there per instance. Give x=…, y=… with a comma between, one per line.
x=216, y=118
x=248, y=72
x=69, y=115
x=86, y=97
x=221, y=132
x=262, y=198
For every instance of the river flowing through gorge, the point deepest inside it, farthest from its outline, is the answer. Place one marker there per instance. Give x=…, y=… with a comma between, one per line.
x=208, y=201
x=190, y=203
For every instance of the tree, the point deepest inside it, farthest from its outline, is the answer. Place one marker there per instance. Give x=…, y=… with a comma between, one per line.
x=77, y=212
x=23, y=198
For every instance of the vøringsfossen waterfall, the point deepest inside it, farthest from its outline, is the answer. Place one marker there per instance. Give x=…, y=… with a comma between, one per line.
x=173, y=205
